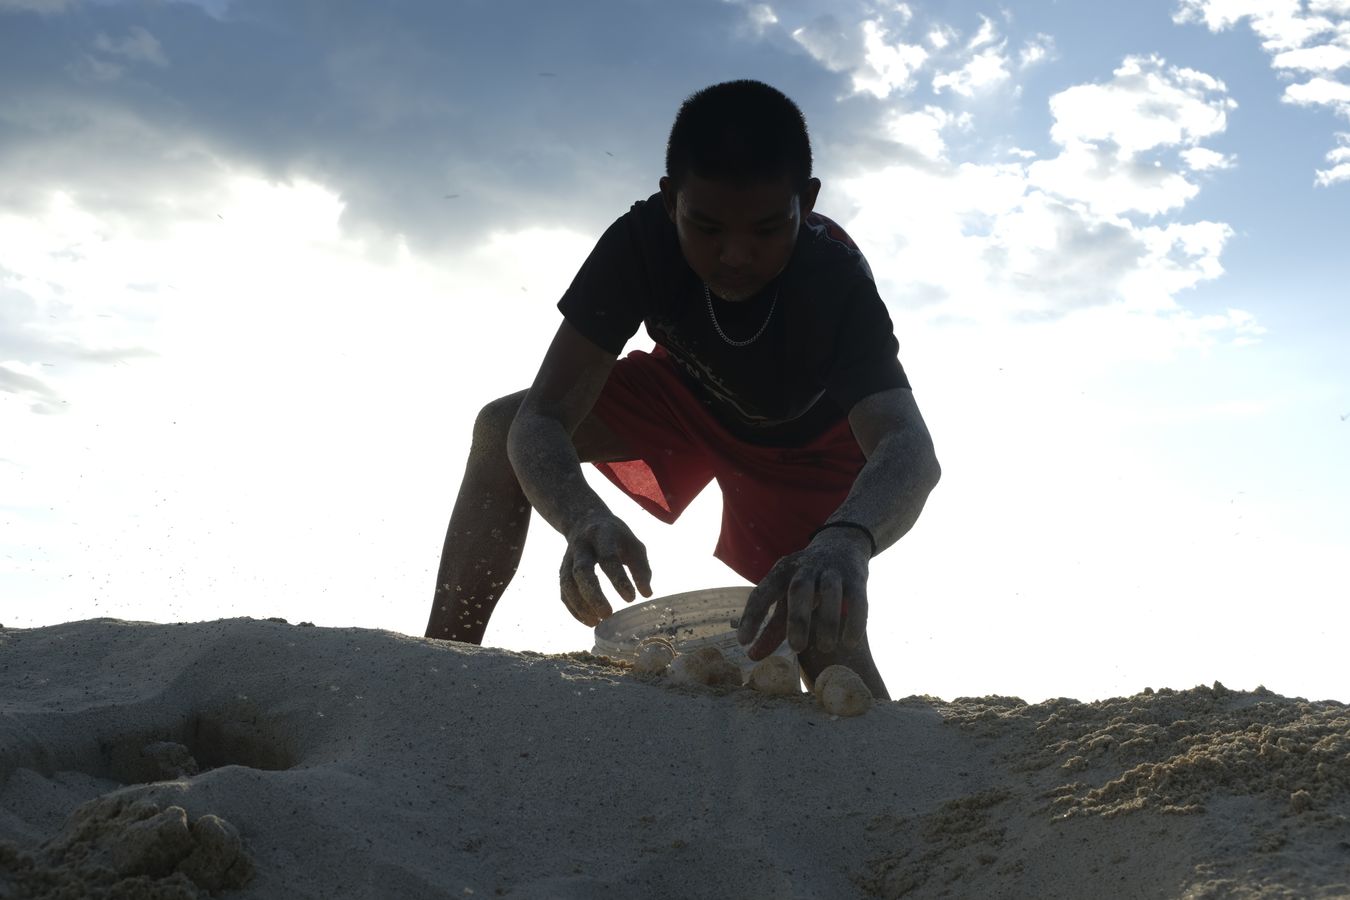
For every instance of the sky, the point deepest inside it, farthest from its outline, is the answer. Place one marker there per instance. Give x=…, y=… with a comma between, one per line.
x=261, y=263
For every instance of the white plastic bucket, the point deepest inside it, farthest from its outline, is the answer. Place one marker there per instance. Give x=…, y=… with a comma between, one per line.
x=691, y=620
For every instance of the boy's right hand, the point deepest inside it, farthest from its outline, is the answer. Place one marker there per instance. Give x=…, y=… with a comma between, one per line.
x=601, y=540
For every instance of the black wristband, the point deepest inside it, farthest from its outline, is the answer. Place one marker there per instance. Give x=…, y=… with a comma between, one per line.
x=842, y=524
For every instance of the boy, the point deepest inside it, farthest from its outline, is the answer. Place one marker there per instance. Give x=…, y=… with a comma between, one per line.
x=775, y=372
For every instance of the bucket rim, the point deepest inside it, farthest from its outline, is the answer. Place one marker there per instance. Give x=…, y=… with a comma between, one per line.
x=610, y=627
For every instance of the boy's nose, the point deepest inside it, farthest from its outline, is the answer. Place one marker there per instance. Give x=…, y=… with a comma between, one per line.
x=734, y=257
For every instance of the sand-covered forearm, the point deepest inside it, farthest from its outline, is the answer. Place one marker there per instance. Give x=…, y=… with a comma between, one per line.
x=549, y=471
x=890, y=491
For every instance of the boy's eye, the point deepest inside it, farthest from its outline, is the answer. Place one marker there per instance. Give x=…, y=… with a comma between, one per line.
x=762, y=232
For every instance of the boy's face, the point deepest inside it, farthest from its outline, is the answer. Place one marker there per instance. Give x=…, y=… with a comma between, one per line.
x=737, y=237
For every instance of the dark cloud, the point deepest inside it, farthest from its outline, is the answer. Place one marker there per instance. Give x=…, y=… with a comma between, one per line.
x=393, y=105
x=439, y=122
x=42, y=7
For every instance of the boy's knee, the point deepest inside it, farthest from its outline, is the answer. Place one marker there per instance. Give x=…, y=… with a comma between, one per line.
x=494, y=420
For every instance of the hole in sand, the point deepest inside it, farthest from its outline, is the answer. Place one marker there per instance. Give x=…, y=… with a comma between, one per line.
x=199, y=743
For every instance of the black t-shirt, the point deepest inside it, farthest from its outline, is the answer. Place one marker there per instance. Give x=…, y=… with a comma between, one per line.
x=828, y=343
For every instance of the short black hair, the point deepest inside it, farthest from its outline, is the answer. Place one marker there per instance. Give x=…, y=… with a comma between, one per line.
x=739, y=131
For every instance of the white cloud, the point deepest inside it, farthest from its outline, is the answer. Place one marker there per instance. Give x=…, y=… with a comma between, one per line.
x=1320, y=92
x=829, y=43
x=984, y=70
x=941, y=37
x=1036, y=50
x=877, y=65
x=888, y=67
x=1178, y=256
x=1313, y=40
x=1327, y=177
x=1322, y=58
x=986, y=35
x=1280, y=23
x=1111, y=134
x=138, y=46
x=921, y=130
x=1202, y=159
x=883, y=61
x=1221, y=14
x=1340, y=160
x=1146, y=105
x=986, y=66
x=762, y=16
x=1039, y=239
x=1289, y=29
x=987, y=240
x=1111, y=186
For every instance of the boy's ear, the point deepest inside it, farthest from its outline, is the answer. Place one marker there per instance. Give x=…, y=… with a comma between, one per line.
x=668, y=196
x=809, y=195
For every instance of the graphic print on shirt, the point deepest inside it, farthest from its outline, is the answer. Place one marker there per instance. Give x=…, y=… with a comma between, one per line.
x=830, y=230
x=698, y=364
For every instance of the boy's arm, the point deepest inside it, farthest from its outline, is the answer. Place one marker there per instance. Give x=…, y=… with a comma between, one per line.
x=539, y=445
x=886, y=499
x=901, y=470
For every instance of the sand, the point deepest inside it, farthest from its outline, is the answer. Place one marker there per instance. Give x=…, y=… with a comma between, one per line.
x=259, y=760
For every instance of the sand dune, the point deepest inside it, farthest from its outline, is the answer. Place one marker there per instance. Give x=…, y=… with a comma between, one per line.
x=260, y=759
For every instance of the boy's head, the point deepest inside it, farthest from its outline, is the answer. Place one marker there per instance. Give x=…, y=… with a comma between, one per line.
x=739, y=131
x=738, y=182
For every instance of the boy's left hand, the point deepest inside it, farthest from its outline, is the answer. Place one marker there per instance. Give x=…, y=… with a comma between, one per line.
x=820, y=591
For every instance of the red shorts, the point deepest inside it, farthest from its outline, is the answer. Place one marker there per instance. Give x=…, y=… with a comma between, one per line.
x=772, y=497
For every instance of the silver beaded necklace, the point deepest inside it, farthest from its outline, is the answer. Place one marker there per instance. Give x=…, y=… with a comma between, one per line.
x=707, y=297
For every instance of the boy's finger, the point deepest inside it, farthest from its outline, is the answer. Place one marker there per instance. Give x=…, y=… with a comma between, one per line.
x=590, y=599
x=634, y=556
x=571, y=597
x=830, y=592
x=608, y=556
x=773, y=635
x=854, y=613
x=593, y=598
x=758, y=603
x=801, y=595
x=613, y=570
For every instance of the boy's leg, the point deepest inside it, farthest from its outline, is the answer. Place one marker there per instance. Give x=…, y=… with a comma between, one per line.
x=859, y=659
x=486, y=536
